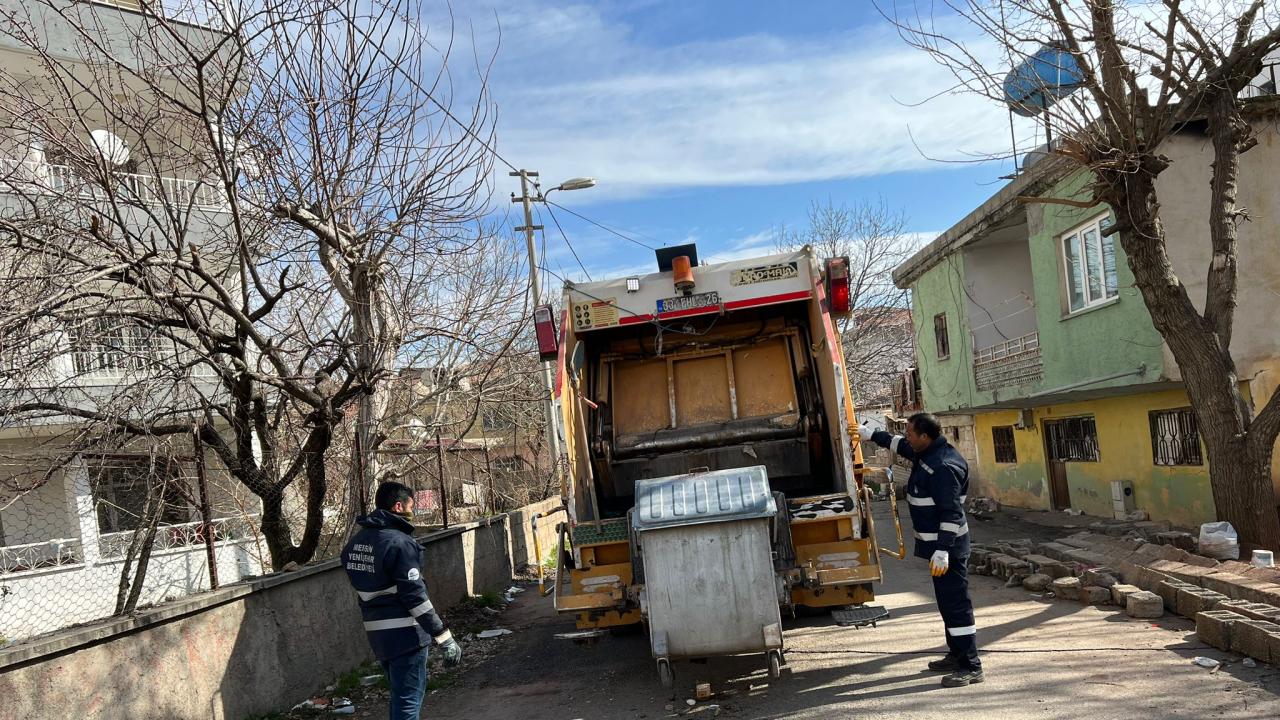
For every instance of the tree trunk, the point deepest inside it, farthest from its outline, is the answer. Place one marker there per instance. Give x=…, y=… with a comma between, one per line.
x=1240, y=478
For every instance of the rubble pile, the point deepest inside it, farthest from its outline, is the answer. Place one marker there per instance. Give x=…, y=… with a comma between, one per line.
x=1148, y=569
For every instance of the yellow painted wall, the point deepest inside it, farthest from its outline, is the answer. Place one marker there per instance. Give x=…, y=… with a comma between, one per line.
x=1179, y=494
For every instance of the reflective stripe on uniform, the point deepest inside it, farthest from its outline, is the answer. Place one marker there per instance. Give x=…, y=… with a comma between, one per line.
x=912, y=499
x=963, y=498
x=960, y=631
x=927, y=537
x=392, y=624
x=926, y=467
x=422, y=609
x=367, y=596
x=949, y=527
x=893, y=444
x=444, y=637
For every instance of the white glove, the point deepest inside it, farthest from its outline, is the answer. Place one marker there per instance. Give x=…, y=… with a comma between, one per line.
x=940, y=563
x=865, y=432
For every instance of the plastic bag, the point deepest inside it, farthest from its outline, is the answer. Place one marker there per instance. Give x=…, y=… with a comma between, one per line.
x=1218, y=540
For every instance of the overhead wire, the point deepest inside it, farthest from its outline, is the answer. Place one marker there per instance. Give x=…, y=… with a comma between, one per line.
x=556, y=220
x=602, y=226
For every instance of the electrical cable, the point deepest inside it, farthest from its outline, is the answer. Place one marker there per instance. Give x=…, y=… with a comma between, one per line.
x=602, y=226
x=555, y=220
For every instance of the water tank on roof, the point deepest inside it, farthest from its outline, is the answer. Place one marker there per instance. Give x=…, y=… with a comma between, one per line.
x=1046, y=76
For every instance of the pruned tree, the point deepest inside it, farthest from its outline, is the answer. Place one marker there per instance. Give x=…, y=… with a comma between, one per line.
x=878, y=340
x=299, y=211
x=1146, y=72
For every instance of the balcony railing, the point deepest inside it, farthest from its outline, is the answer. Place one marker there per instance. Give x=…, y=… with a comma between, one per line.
x=1010, y=363
x=26, y=176
x=41, y=555
x=174, y=537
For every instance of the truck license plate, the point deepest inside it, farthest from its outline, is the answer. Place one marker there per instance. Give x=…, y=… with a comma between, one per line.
x=689, y=302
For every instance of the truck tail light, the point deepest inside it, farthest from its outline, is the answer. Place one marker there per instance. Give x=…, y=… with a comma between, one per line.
x=544, y=324
x=838, y=299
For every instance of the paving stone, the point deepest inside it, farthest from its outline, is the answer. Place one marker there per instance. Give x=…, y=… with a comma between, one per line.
x=1226, y=583
x=1067, y=588
x=1120, y=593
x=1182, y=571
x=1088, y=557
x=1143, y=604
x=1125, y=570
x=1194, y=601
x=1074, y=541
x=1253, y=638
x=1177, y=538
x=1168, y=591
x=1214, y=627
x=1200, y=561
x=1046, y=565
x=1148, y=579
x=1037, y=582
x=1102, y=577
x=1057, y=551
x=1151, y=528
x=1094, y=595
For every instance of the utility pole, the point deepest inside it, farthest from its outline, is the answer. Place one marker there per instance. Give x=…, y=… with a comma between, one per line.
x=549, y=407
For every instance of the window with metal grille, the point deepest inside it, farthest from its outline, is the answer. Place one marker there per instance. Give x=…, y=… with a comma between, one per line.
x=1072, y=439
x=111, y=346
x=1175, y=437
x=940, y=337
x=1006, y=452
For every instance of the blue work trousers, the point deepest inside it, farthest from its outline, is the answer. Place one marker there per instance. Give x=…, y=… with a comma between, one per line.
x=407, y=676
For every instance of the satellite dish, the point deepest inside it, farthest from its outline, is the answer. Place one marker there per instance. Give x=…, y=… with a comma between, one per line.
x=1048, y=75
x=109, y=145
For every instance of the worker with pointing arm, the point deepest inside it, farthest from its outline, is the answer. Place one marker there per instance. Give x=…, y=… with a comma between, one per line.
x=936, y=492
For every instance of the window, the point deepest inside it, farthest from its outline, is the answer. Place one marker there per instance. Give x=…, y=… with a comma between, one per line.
x=1002, y=437
x=940, y=336
x=110, y=346
x=120, y=492
x=1175, y=437
x=1072, y=439
x=511, y=464
x=1089, y=262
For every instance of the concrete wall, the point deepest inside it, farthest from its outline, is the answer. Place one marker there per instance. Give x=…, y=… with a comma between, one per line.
x=1000, y=293
x=1180, y=495
x=246, y=649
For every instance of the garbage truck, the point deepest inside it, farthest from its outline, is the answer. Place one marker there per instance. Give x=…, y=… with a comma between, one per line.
x=714, y=478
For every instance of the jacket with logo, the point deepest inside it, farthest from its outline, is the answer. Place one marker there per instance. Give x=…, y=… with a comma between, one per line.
x=936, y=492
x=384, y=565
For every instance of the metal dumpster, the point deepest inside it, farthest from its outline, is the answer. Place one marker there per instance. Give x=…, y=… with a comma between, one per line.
x=705, y=541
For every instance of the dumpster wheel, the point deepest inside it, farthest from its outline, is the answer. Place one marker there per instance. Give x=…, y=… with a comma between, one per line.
x=775, y=664
x=664, y=674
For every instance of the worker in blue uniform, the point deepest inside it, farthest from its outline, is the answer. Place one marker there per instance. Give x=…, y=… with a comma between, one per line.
x=936, y=492
x=384, y=565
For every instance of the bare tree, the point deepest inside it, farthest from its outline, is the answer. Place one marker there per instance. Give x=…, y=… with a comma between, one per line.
x=299, y=212
x=878, y=341
x=1147, y=70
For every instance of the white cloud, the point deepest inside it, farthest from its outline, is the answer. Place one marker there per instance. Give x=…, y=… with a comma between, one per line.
x=579, y=95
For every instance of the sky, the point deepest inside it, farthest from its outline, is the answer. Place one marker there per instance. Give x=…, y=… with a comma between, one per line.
x=714, y=122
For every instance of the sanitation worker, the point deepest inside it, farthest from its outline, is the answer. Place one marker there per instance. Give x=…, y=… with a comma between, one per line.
x=384, y=565
x=936, y=493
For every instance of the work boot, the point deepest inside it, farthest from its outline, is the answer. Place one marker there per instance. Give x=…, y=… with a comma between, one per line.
x=946, y=664
x=961, y=678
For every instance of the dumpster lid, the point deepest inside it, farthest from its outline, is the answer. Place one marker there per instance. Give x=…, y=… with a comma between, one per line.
x=717, y=496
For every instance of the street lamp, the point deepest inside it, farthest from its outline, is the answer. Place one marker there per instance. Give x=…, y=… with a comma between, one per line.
x=578, y=183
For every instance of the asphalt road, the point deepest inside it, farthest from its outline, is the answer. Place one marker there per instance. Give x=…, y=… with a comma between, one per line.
x=1043, y=659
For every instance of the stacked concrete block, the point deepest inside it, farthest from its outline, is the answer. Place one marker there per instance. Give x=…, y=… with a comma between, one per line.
x=1168, y=592
x=1214, y=627
x=1094, y=595
x=1037, y=582
x=1046, y=565
x=1057, y=551
x=1192, y=601
x=1191, y=574
x=1254, y=638
x=1120, y=593
x=1181, y=540
x=1067, y=588
x=1102, y=577
x=1144, y=604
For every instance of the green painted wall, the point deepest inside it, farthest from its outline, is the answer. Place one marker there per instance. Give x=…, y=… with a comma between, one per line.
x=946, y=384
x=1096, y=342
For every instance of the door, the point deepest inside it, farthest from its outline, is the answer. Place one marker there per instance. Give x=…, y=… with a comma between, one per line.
x=1059, y=493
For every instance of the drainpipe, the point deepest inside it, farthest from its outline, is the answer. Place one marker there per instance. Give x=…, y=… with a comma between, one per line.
x=1140, y=371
